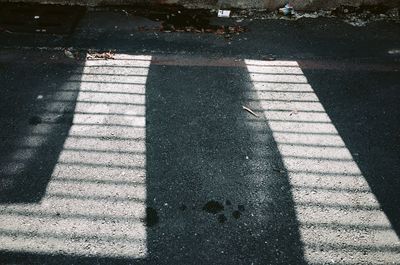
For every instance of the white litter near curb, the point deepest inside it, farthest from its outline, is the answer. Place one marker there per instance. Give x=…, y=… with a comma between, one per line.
x=394, y=52
x=224, y=13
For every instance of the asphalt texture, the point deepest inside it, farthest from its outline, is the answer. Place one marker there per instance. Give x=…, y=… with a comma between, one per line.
x=278, y=145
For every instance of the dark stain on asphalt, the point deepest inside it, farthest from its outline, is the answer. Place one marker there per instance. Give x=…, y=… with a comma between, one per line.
x=35, y=120
x=213, y=207
x=222, y=218
x=182, y=207
x=151, y=217
x=228, y=202
x=236, y=214
x=241, y=207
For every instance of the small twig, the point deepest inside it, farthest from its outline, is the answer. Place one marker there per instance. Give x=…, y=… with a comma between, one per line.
x=278, y=170
x=125, y=12
x=250, y=111
x=5, y=30
x=100, y=56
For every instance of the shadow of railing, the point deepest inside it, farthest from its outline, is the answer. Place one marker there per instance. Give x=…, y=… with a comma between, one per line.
x=136, y=136
x=91, y=201
x=27, y=162
x=340, y=219
x=363, y=106
x=158, y=163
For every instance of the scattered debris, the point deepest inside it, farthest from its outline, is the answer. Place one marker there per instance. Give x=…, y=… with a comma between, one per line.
x=39, y=97
x=36, y=17
x=250, y=111
x=356, y=22
x=394, y=52
x=294, y=112
x=310, y=15
x=100, y=56
x=355, y=16
x=225, y=31
x=69, y=54
x=213, y=207
x=224, y=13
x=393, y=13
x=287, y=10
x=186, y=21
x=361, y=16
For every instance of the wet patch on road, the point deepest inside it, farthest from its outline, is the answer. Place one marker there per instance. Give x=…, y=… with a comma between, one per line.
x=213, y=207
x=182, y=207
x=236, y=214
x=222, y=218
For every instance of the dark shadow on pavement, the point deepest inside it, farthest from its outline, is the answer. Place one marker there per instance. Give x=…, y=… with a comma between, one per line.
x=213, y=172
x=217, y=190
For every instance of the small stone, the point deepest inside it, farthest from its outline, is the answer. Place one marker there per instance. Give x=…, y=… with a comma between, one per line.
x=68, y=53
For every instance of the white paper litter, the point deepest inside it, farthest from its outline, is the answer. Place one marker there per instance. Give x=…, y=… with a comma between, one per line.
x=224, y=13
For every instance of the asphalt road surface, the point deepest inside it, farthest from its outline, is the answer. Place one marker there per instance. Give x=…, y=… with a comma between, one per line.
x=278, y=145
